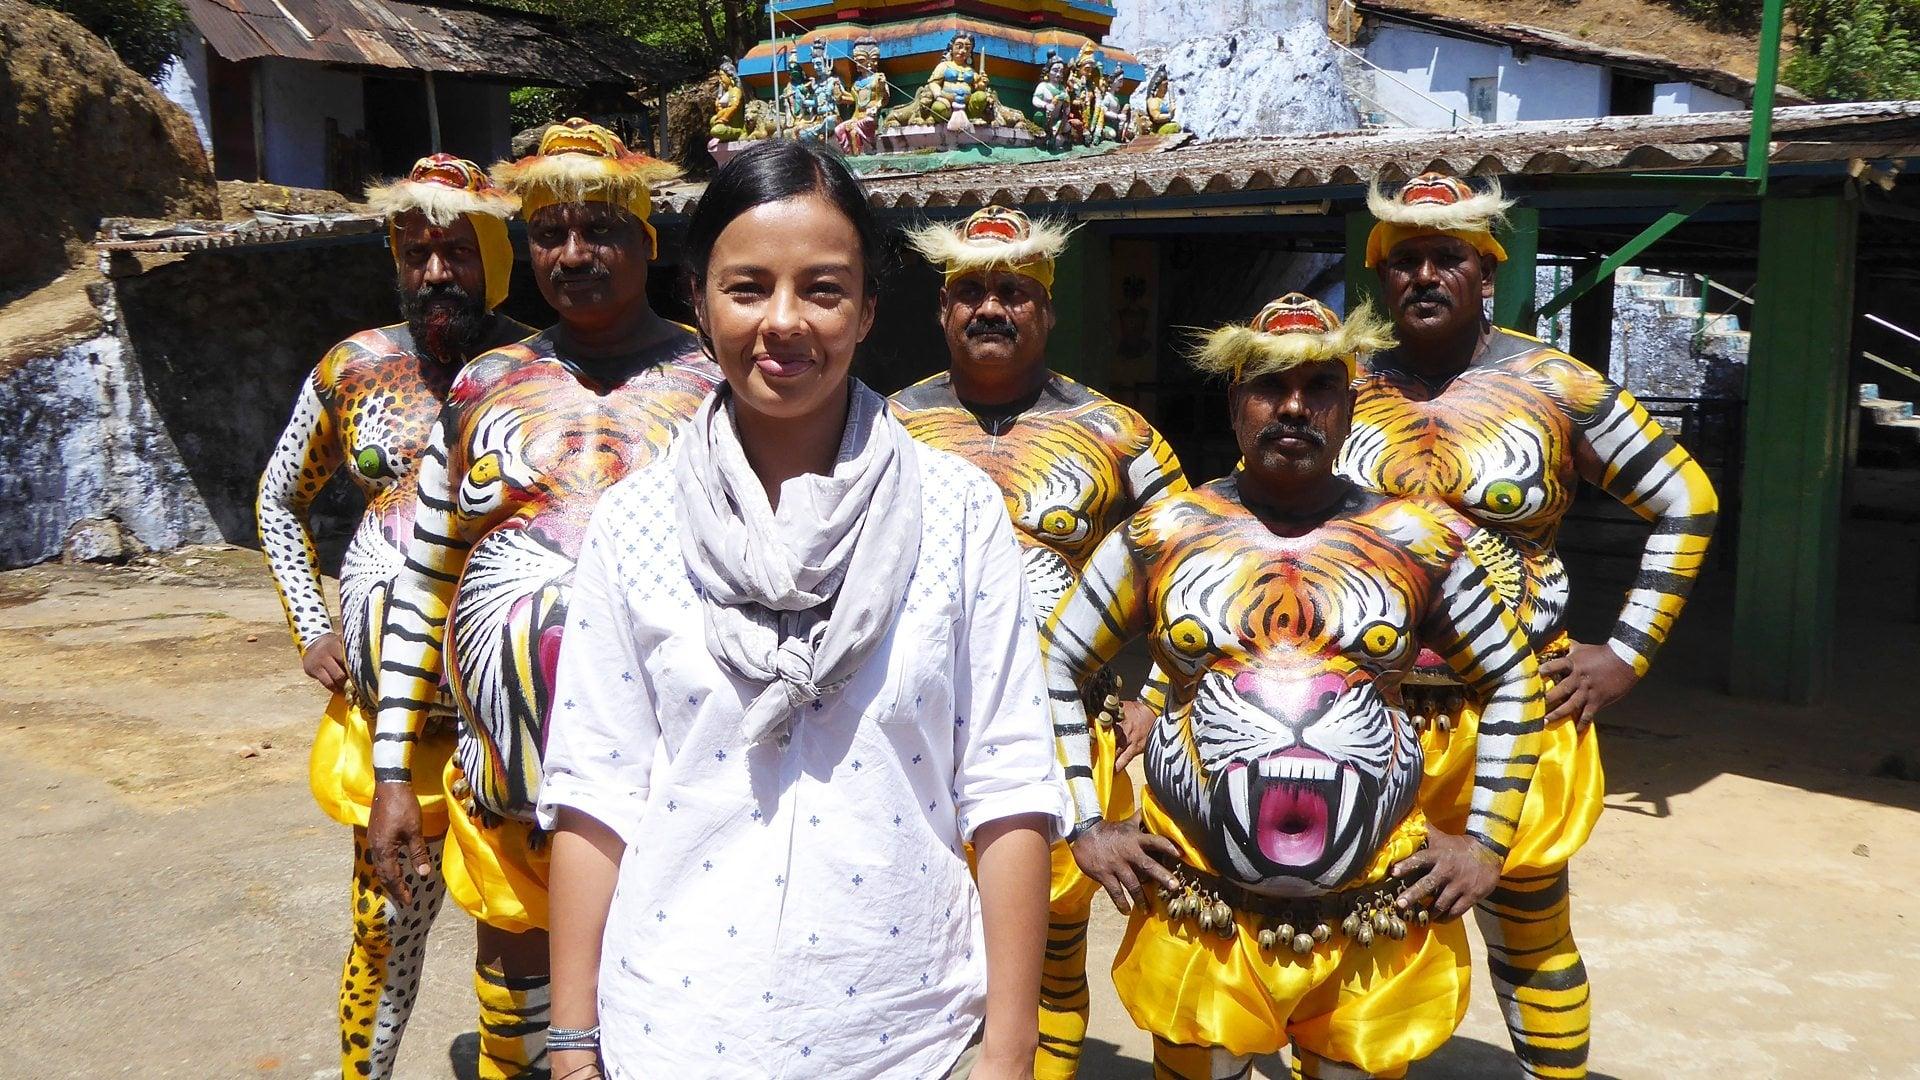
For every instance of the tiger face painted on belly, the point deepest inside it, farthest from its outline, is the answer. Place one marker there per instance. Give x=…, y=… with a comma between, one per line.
x=1279, y=762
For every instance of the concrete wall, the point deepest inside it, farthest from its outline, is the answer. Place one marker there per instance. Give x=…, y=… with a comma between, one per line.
x=184, y=82
x=1441, y=67
x=298, y=99
x=1673, y=98
x=1139, y=24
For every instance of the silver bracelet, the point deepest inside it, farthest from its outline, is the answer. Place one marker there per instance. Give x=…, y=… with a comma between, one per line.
x=559, y=1038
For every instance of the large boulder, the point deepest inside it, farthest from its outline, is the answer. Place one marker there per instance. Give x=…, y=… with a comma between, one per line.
x=1241, y=67
x=82, y=137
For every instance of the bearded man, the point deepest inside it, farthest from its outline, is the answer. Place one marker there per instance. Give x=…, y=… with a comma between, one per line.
x=1504, y=428
x=1299, y=895
x=531, y=436
x=370, y=404
x=1072, y=464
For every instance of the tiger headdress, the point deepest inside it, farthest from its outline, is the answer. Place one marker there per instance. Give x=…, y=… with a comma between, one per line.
x=1279, y=761
x=511, y=477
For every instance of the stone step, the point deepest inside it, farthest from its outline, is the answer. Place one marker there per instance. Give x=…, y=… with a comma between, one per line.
x=1886, y=412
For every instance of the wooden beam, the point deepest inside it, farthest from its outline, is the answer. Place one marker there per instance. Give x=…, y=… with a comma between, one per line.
x=1798, y=400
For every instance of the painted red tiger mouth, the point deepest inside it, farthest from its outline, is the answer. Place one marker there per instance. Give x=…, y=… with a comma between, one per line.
x=1295, y=815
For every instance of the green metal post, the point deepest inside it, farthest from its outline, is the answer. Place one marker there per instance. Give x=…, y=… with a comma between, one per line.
x=1797, y=408
x=1513, y=281
x=1362, y=283
x=1760, y=140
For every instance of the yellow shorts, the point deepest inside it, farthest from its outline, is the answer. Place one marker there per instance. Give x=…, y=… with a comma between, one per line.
x=494, y=872
x=1563, y=804
x=1375, y=1006
x=1073, y=891
x=340, y=769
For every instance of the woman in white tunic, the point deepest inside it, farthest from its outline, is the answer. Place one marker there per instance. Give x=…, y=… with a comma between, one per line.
x=799, y=676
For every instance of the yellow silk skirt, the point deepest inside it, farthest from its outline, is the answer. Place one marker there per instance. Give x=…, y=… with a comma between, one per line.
x=340, y=768
x=494, y=872
x=1071, y=888
x=1563, y=804
x=1377, y=1007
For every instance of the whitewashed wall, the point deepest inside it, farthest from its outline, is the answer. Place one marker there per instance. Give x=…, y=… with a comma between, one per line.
x=184, y=82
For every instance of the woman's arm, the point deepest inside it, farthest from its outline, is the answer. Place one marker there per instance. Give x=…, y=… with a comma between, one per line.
x=586, y=864
x=1014, y=875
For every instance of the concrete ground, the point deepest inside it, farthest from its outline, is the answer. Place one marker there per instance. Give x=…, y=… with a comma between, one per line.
x=176, y=907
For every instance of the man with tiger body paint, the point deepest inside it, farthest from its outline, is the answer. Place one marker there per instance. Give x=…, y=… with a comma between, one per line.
x=531, y=436
x=1298, y=894
x=1504, y=428
x=369, y=405
x=1072, y=464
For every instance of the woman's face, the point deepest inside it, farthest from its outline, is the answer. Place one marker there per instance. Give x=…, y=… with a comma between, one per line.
x=785, y=303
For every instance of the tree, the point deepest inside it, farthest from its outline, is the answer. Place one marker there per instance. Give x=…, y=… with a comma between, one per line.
x=145, y=33
x=1856, y=50
x=703, y=32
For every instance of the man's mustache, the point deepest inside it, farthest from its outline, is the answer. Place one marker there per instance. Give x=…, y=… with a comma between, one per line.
x=1428, y=294
x=564, y=275
x=449, y=292
x=983, y=326
x=1281, y=430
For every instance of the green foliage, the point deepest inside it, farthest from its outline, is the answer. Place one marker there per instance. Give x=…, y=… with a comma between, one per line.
x=146, y=33
x=531, y=106
x=1856, y=50
x=703, y=32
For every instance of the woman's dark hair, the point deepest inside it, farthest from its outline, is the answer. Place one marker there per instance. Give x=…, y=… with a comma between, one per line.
x=769, y=172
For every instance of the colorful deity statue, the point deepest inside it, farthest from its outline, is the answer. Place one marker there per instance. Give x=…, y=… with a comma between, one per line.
x=729, y=105
x=1083, y=91
x=952, y=77
x=981, y=103
x=857, y=132
x=1052, y=105
x=1159, y=109
x=1116, y=123
x=921, y=111
x=829, y=95
x=798, y=97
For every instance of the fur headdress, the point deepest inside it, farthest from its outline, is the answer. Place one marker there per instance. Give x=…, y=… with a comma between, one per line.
x=584, y=162
x=443, y=187
x=995, y=237
x=1433, y=204
x=1293, y=330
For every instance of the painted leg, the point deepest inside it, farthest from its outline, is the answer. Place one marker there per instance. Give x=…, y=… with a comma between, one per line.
x=381, y=977
x=513, y=1024
x=1178, y=1061
x=1064, y=997
x=1537, y=974
x=1308, y=1065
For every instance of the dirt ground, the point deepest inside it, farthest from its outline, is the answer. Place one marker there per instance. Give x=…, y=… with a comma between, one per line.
x=176, y=906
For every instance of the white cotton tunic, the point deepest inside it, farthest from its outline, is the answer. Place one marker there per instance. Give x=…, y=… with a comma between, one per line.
x=806, y=911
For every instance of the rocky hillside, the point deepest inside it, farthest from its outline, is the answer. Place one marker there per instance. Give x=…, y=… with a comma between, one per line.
x=82, y=137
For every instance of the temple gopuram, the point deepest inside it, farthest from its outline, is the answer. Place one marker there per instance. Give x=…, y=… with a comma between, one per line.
x=891, y=77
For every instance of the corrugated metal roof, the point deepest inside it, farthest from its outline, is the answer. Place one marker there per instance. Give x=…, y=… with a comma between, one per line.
x=1182, y=166
x=1807, y=133
x=445, y=38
